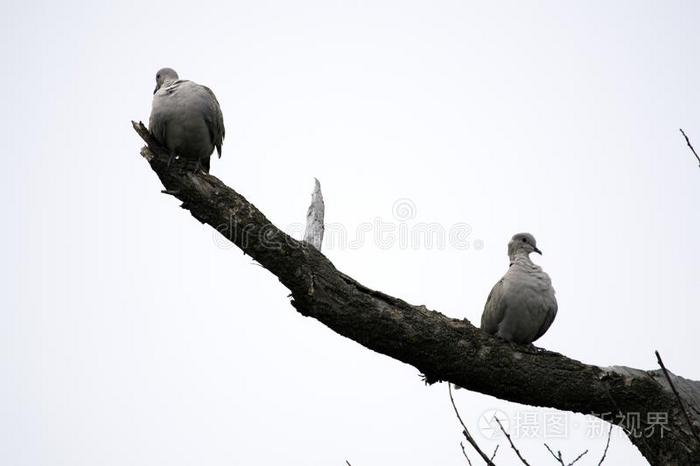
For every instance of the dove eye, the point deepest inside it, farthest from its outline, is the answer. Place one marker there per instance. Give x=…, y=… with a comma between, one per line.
x=524, y=240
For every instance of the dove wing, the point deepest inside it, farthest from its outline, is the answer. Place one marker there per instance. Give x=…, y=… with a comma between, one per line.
x=494, y=310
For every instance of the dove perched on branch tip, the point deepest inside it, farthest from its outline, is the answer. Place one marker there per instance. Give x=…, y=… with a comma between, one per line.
x=186, y=118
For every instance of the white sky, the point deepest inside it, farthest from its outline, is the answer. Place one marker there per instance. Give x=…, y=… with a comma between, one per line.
x=130, y=336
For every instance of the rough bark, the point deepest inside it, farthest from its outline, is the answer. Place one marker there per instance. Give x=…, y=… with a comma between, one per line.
x=441, y=348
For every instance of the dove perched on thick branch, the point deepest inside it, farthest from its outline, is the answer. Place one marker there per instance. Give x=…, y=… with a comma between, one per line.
x=521, y=306
x=186, y=119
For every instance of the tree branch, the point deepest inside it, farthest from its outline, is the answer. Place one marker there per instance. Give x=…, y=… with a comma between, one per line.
x=512, y=445
x=495, y=450
x=464, y=452
x=687, y=141
x=578, y=458
x=466, y=433
x=557, y=456
x=607, y=445
x=441, y=348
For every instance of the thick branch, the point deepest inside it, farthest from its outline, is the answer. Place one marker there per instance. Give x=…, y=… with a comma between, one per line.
x=441, y=348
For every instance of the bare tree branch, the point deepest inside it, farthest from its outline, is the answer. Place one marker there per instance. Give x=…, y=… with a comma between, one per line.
x=578, y=458
x=441, y=348
x=687, y=141
x=495, y=450
x=465, y=431
x=560, y=459
x=557, y=456
x=512, y=445
x=464, y=452
x=607, y=444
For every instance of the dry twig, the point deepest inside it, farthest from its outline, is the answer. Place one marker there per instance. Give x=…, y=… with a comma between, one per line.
x=578, y=458
x=464, y=452
x=607, y=444
x=511, y=442
x=466, y=433
x=495, y=450
x=687, y=141
x=557, y=456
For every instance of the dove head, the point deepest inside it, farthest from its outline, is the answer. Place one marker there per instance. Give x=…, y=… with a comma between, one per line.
x=165, y=75
x=522, y=244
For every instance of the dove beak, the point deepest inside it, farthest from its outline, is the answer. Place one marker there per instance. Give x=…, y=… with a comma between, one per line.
x=537, y=251
x=155, y=90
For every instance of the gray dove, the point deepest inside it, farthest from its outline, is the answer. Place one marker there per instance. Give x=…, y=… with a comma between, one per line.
x=186, y=119
x=521, y=306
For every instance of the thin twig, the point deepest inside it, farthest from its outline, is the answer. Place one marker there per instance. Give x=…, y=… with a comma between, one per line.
x=578, y=458
x=511, y=442
x=558, y=458
x=466, y=433
x=348, y=463
x=678, y=397
x=464, y=452
x=687, y=141
x=494, y=452
x=607, y=444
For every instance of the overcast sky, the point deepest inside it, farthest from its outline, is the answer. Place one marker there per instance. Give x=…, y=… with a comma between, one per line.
x=129, y=335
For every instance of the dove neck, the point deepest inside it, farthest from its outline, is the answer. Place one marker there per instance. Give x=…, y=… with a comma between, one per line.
x=520, y=258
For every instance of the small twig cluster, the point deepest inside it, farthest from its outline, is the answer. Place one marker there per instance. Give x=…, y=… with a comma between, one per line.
x=489, y=460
